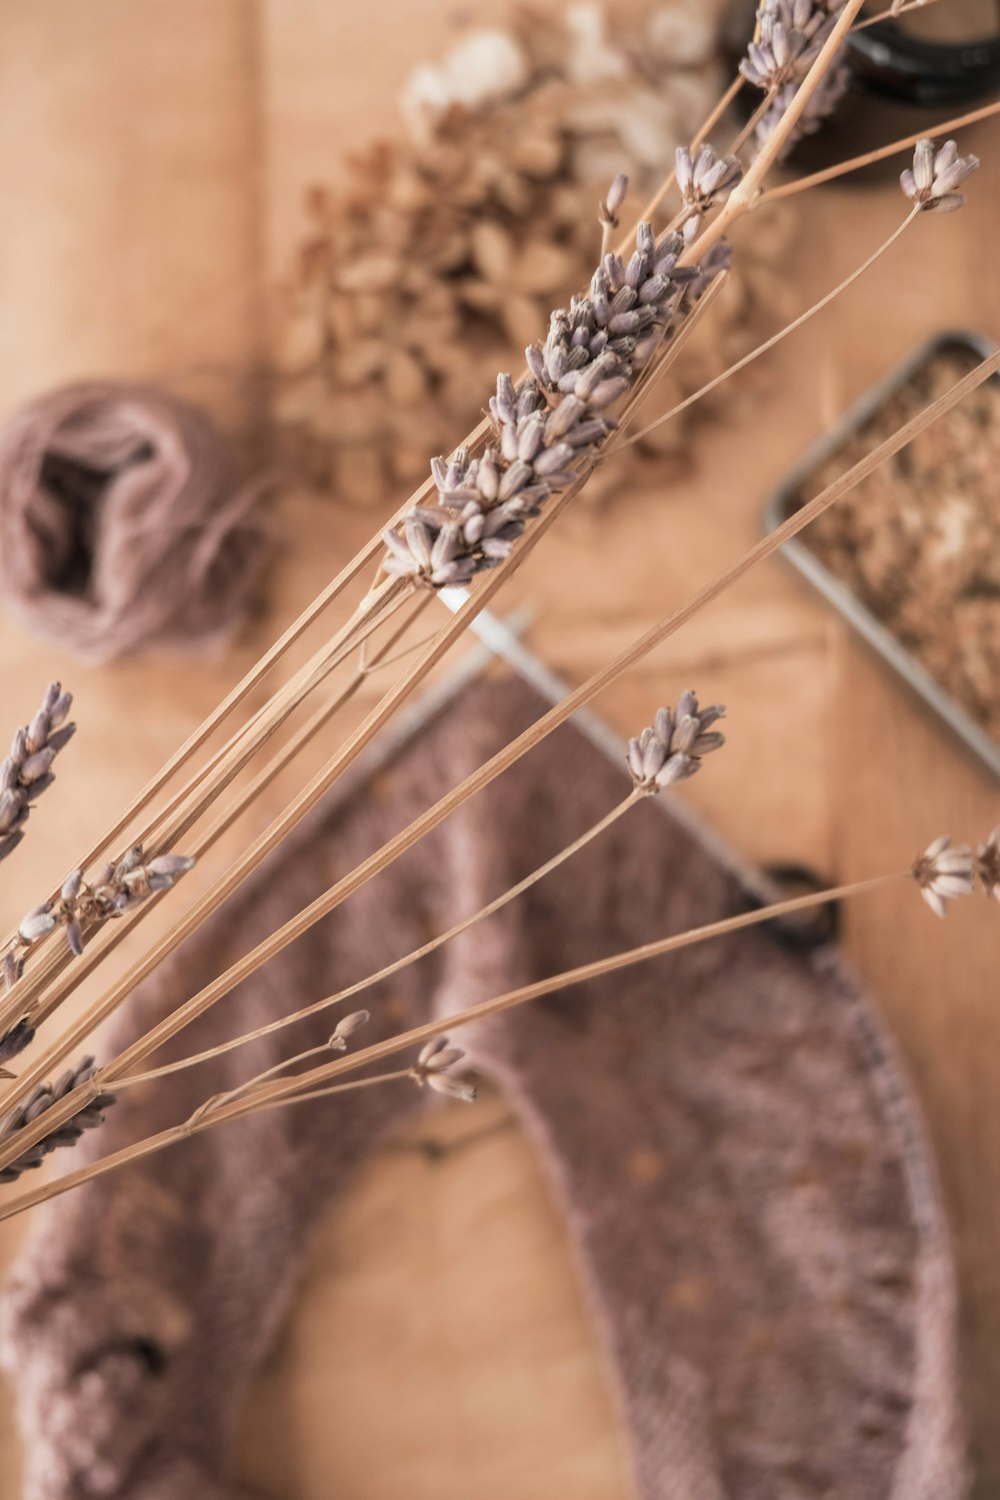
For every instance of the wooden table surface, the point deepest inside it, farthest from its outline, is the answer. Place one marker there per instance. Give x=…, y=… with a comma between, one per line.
x=829, y=761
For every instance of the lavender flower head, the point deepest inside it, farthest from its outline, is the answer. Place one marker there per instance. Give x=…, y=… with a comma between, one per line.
x=789, y=36
x=943, y=874
x=433, y=1066
x=550, y=426
x=671, y=749
x=704, y=179
x=932, y=181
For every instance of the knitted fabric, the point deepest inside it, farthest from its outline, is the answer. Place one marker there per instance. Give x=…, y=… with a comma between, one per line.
x=726, y=1118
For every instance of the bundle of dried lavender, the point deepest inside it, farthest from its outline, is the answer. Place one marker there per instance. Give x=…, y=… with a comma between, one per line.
x=543, y=436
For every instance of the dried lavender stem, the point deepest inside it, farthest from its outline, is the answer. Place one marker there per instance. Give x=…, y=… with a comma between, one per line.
x=776, y=338
x=112, y=1069
x=856, y=163
x=24, y=996
x=650, y=210
x=117, y=932
x=304, y=1085
x=891, y=13
x=751, y=125
x=486, y=773
x=281, y=826
x=746, y=191
x=238, y=694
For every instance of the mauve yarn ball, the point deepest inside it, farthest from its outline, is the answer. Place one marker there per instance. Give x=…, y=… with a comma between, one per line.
x=125, y=523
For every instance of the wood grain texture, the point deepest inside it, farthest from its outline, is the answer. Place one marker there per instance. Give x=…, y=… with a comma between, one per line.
x=157, y=158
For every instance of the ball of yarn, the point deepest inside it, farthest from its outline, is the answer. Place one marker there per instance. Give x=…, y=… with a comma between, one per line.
x=125, y=524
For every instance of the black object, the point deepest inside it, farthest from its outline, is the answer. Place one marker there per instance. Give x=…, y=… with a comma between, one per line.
x=893, y=62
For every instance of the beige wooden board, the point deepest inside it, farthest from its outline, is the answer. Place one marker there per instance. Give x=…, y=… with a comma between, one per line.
x=157, y=156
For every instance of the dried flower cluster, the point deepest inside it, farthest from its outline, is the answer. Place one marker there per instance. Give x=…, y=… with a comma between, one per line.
x=943, y=873
x=27, y=771
x=672, y=747
x=555, y=418
x=447, y=249
x=932, y=182
x=704, y=180
x=789, y=36
x=80, y=907
x=37, y=1103
x=432, y=1069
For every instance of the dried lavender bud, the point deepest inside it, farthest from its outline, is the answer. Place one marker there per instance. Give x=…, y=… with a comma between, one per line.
x=608, y=210
x=37, y=1103
x=27, y=771
x=932, y=181
x=988, y=864
x=431, y=1068
x=944, y=873
x=79, y=907
x=346, y=1028
x=706, y=178
x=671, y=749
x=789, y=36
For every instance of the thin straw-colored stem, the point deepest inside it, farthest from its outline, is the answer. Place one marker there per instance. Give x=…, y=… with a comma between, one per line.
x=390, y=969
x=891, y=13
x=776, y=338
x=472, y=784
x=855, y=164
x=752, y=123
x=307, y=1085
x=650, y=210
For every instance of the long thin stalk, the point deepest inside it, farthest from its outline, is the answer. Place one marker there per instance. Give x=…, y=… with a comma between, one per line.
x=776, y=338
x=855, y=163
x=306, y=1085
x=390, y=969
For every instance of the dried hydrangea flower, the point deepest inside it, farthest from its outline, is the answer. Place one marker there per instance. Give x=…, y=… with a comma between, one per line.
x=118, y=888
x=27, y=771
x=943, y=874
x=42, y=1098
x=671, y=749
x=988, y=864
x=932, y=181
x=559, y=416
x=432, y=1069
x=346, y=1028
x=705, y=178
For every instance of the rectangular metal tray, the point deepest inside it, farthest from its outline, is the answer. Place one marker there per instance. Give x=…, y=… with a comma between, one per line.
x=783, y=502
